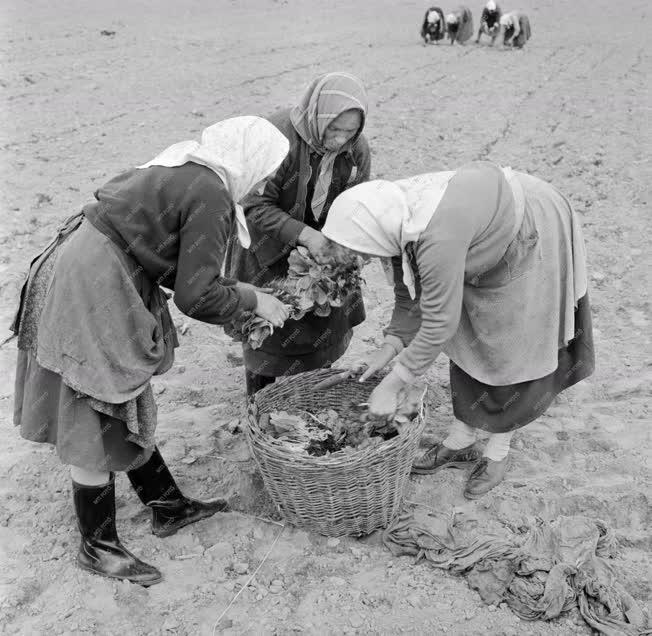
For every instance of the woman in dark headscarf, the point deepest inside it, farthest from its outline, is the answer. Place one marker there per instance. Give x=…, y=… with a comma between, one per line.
x=328, y=154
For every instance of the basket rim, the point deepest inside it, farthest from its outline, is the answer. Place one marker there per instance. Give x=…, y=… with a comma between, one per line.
x=339, y=459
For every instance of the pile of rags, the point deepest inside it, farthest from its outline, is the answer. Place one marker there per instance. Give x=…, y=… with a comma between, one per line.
x=550, y=568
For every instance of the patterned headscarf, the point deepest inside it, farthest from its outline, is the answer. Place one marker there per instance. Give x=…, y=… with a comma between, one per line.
x=325, y=99
x=241, y=151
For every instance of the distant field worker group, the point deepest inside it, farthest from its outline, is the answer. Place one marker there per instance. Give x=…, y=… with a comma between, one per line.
x=512, y=28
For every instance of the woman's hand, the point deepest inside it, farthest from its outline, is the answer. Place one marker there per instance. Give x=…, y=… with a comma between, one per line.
x=271, y=308
x=385, y=399
x=318, y=245
x=378, y=360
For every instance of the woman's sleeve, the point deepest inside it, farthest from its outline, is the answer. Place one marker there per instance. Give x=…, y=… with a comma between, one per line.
x=362, y=156
x=263, y=212
x=406, y=316
x=441, y=258
x=441, y=266
x=200, y=291
x=517, y=26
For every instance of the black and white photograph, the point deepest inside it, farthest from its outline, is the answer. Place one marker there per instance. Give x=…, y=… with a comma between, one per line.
x=325, y=318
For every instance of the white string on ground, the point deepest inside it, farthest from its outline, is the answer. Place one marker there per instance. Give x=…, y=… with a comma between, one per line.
x=266, y=520
x=249, y=580
x=426, y=506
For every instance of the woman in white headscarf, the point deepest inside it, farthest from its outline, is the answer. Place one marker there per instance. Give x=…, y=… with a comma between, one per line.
x=459, y=25
x=433, y=27
x=93, y=325
x=515, y=29
x=489, y=267
x=489, y=21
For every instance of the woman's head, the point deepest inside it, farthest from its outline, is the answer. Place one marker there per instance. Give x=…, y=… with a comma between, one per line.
x=242, y=151
x=248, y=149
x=331, y=113
x=380, y=218
x=368, y=218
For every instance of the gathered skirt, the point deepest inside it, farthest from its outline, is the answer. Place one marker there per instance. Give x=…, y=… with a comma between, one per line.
x=48, y=411
x=500, y=409
x=54, y=402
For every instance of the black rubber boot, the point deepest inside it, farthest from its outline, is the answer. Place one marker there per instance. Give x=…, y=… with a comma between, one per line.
x=100, y=550
x=171, y=510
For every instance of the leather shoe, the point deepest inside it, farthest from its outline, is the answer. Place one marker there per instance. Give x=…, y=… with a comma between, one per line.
x=440, y=456
x=486, y=474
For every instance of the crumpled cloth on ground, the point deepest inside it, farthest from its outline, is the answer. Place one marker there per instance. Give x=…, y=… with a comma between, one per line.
x=551, y=569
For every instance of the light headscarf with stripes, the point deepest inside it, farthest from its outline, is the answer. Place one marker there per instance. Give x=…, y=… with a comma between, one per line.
x=325, y=99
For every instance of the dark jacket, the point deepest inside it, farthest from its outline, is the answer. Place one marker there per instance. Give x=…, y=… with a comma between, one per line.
x=435, y=31
x=275, y=220
x=490, y=18
x=175, y=223
x=276, y=217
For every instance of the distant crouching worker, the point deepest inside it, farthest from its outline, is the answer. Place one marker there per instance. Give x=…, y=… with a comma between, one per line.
x=490, y=21
x=515, y=29
x=433, y=28
x=459, y=24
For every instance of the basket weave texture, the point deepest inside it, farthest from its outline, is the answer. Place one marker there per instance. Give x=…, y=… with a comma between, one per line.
x=341, y=494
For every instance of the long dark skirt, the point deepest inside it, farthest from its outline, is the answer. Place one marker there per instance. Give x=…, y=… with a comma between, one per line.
x=302, y=345
x=499, y=409
x=278, y=363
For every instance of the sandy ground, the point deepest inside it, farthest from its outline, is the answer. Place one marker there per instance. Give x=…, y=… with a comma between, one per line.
x=78, y=107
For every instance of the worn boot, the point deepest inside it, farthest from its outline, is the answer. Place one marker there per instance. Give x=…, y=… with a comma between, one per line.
x=171, y=510
x=486, y=474
x=100, y=550
x=440, y=456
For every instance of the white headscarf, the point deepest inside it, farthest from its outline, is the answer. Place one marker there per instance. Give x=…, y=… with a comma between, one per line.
x=491, y=5
x=433, y=17
x=242, y=151
x=506, y=20
x=382, y=217
x=451, y=18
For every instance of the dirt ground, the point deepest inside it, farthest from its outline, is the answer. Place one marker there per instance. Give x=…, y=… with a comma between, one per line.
x=78, y=107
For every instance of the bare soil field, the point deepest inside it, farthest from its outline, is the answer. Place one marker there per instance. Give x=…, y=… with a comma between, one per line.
x=573, y=107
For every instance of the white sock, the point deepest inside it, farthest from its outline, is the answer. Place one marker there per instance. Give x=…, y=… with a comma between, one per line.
x=459, y=436
x=498, y=446
x=89, y=477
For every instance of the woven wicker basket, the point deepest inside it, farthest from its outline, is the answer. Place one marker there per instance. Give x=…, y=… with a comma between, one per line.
x=340, y=494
